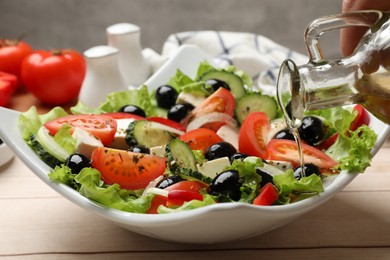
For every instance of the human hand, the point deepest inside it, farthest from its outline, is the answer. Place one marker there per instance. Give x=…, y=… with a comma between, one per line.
x=351, y=36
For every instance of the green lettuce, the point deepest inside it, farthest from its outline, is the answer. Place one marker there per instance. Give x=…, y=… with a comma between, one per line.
x=336, y=119
x=247, y=171
x=193, y=204
x=353, y=151
x=65, y=139
x=206, y=67
x=288, y=186
x=111, y=196
x=30, y=121
x=63, y=174
x=114, y=101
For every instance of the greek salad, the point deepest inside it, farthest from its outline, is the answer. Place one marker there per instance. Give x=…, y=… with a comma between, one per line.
x=194, y=142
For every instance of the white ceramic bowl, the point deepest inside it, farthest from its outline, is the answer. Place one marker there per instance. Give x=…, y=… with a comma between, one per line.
x=210, y=224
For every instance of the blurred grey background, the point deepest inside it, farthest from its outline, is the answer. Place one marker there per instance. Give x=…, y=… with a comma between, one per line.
x=81, y=24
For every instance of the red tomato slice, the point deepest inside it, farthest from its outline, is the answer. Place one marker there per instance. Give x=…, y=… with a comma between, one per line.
x=268, y=195
x=130, y=170
x=221, y=101
x=155, y=203
x=201, y=138
x=362, y=118
x=287, y=150
x=167, y=122
x=100, y=126
x=187, y=185
x=123, y=115
x=176, y=198
x=253, y=134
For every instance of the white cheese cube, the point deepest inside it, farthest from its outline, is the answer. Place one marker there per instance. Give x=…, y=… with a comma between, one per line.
x=158, y=150
x=119, y=141
x=193, y=99
x=85, y=142
x=212, y=168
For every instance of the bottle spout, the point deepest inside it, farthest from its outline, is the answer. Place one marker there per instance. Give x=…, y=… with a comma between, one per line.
x=290, y=93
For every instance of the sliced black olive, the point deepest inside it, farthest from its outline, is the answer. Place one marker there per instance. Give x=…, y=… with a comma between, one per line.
x=309, y=170
x=219, y=150
x=226, y=183
x=77, y=161
x=216, y=84
x=312, y=130
x=168, y=181
x=139, y=149
x=132, y=109
x=179, y=112
x=265, y=177
x=166, y=96
x=284, y=134
x=237, y=156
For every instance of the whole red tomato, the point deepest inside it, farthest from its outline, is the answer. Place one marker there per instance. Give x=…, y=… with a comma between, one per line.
x=12, y=53
x=55, y=76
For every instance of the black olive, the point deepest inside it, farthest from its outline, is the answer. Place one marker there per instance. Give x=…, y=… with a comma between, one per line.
x=226, y=183
x=219, y=150
x=168, y=181
x=132, y=109
x=77, y=161
x=312, y=130
x=166, y=96
x=309, y=170
x=237, y=156
x=265, y=177
x=284, y=134
x=179, y=112
x=216, y=84
x=139, y=149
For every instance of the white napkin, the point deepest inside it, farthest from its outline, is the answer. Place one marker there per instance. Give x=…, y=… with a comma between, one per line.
x=255, y=54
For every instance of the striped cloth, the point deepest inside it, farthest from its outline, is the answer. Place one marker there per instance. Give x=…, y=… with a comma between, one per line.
x=255, y=54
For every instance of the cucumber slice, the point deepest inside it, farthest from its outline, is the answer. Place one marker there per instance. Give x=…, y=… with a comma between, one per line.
x=148, y=133
x=255, y=102
x=51, y=146
x=43, y=153
x=180, y=155
x=235, y=83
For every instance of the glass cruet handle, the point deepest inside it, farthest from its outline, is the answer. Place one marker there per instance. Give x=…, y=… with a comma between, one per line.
x=313, y=32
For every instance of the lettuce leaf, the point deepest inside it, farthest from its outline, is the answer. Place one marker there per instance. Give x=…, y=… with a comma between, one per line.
x=63, y=174
x=247, y=170
x=115, y=100
x=289, y=187
x=193, y=204
x=65, y=139
x=179, y=80
x=30, y=121
x=336, y=119
x=111, y=196
x=353, y=152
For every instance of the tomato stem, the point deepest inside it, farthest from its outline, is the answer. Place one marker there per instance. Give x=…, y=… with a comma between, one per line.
x=56, y=52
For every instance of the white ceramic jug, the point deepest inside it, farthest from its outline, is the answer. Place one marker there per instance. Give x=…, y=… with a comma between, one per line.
x=132, y=64
x=102, y=76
